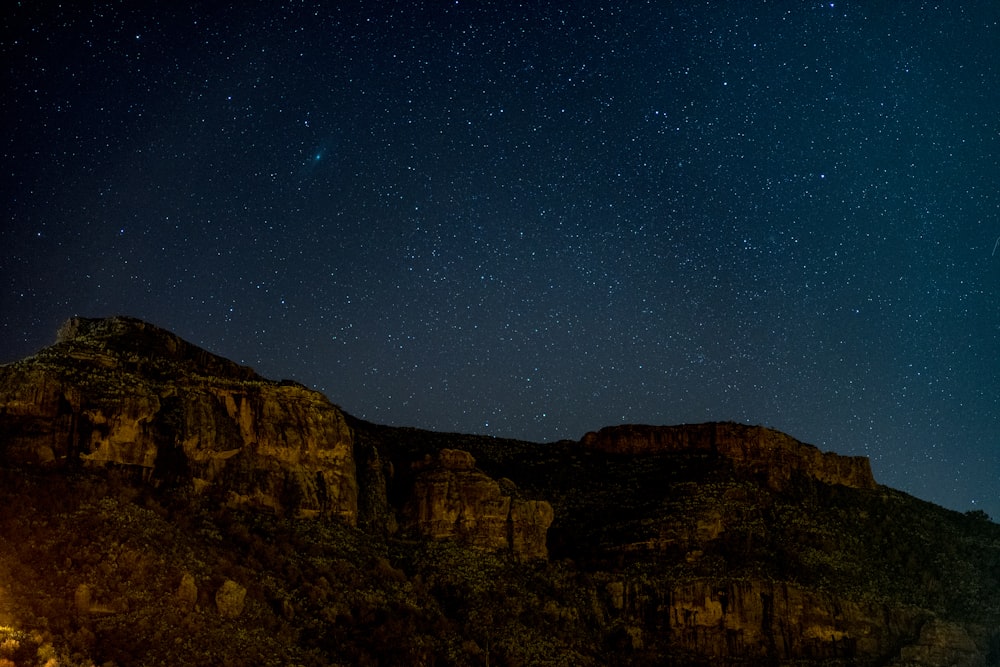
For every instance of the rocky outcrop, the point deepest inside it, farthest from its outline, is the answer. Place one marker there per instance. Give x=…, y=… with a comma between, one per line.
x=779, y=621
x=230, y=599
x=755, y=449
x=451, y=499
x=943, y=643
x=121, y=392
x=186, y=596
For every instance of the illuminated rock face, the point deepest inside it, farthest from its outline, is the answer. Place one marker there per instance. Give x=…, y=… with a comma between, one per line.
x=121, y=392
x=451, y=499
x=772, y=454
x=775, y=622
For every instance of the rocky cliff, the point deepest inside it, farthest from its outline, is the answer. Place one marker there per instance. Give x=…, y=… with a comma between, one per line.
x=452, y=499
x=160, y=504
x=124, y=393
x=776, y=456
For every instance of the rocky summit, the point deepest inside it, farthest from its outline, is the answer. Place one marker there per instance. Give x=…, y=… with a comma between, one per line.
x=162, y=505
x=122, y=393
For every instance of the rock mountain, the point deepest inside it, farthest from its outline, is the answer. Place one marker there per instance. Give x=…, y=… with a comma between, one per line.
x=163, y=505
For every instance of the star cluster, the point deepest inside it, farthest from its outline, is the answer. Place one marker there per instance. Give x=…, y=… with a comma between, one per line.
x=532, y=220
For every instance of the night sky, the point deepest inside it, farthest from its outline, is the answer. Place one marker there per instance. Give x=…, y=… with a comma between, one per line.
x=530, y=221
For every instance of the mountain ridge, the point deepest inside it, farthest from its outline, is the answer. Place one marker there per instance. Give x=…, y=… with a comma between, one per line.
x=716, y=543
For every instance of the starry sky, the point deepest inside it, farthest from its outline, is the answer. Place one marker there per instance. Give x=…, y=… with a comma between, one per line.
x=535, y=219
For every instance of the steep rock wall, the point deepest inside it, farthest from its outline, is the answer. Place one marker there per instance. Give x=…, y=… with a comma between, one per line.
x=768, y=622
x=122, y=392
x=451, y=499
x=779, y=621
x=754, y=448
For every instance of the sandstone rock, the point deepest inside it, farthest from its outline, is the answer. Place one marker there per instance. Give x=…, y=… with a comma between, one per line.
x=83, y=599
x=759, y=450
x=616, y=594
x=187, y=593
x=134, y=340
x=778, y=621
x=375, y=514
x=452, y=500
x=941, y=643
x=230, y=599
x=529, y=522
x=125, y=393
x=456, y=459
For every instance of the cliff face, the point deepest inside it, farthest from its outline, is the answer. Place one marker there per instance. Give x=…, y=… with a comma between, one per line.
x=783, y=622
x=755, y=449
x=121, y=392
x=451, y=499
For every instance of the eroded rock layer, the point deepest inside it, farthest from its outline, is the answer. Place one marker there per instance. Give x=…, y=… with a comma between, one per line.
x=121, y=392
x=453, y=499
x=753, y=448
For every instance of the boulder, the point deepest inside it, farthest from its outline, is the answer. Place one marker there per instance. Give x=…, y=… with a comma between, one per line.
x=186, y=596
x=230, y=599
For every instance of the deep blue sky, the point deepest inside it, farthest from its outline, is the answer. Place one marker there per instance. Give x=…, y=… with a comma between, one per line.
x=531, y=221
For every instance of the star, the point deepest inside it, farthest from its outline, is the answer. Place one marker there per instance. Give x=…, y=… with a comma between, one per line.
x=579, y=203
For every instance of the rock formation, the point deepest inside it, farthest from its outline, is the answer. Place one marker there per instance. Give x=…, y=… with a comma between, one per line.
x=452, y=499
x=186, y=596
x=770, y=621
x=121, y=392
x=230, y=599
x=942, y=643
x=756, y=449
x=700, y=544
